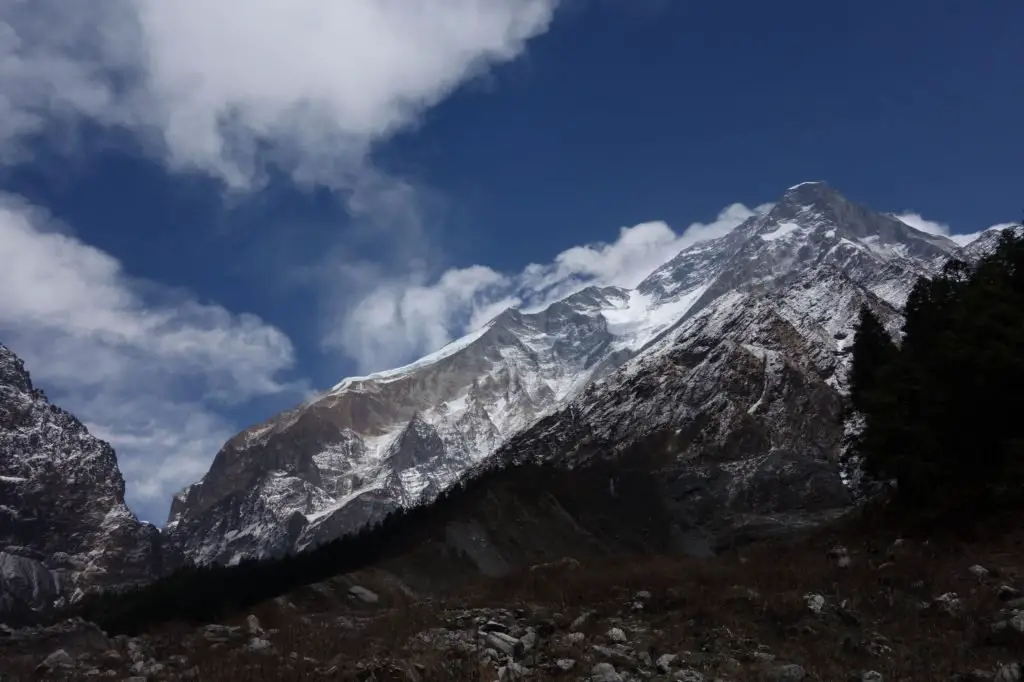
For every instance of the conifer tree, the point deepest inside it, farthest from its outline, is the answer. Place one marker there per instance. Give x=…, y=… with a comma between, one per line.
x=873, y=349
x=941, y=410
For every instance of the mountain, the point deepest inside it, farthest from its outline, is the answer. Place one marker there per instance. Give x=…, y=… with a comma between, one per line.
x=64, y=525
x=726, y=365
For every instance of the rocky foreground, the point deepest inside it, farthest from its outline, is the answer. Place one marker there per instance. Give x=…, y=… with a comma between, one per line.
x=867, y=610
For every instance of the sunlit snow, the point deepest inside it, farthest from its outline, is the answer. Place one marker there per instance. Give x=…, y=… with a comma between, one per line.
x=781, y=231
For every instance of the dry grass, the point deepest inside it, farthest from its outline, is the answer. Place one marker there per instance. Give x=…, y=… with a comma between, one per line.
x=718, y=614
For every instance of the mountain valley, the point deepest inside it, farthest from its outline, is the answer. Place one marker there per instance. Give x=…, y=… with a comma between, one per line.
x=622, y=485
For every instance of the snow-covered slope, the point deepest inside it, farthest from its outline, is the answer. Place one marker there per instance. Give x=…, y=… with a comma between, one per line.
x=63, y=521
x=777, y=295
x=401, y=436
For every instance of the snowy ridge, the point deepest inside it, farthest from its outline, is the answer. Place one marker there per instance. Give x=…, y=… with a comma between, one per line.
x=796, y=274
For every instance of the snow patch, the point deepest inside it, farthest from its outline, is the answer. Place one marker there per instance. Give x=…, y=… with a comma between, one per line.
x=444, y=352
x=642, y=319
x=781, y=231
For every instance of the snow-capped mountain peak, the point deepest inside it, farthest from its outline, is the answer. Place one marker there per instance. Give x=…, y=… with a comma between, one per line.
x=400, y=436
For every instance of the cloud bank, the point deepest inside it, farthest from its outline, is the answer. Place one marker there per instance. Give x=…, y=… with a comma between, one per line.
x=148, y=373
x=228, y=86
x=397, y=319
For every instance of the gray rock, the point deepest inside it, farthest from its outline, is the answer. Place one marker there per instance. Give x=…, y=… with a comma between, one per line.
x=688, y=675
x=666, y=661
x=258, y=644
x=565, y=664
x=950, y=603
x=1007, y=593
x=1011, y=629
x=25, y=584
x=364, y=595
x=75, y=636
x=506, y=644
x=790, y=672
x=815, y=602
x=214, y=633
x=840, y=555
x=253, y=625
x=621, y=656
x=58, y=659
x=978, y=571
x=976, y=675
x=1010, y=672
x=493, y=626
x=580, y=621
x=616, y=635
x=67, y=502
x=604, y=672
x=512, y=671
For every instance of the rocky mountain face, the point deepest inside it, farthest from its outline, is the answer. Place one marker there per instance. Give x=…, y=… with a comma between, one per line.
x=721, y=377
x=64, y=525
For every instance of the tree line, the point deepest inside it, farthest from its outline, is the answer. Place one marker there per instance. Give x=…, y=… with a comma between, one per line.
x=942, y=408
x=209, y=593
x=941, y=418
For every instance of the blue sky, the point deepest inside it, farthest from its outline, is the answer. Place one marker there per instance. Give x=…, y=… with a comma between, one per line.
x=210, y=209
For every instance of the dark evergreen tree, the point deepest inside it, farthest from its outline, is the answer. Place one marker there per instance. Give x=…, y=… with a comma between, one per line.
x=941, y=410
x=873, y=350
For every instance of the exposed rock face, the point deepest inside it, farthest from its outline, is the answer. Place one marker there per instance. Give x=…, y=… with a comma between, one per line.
x=727, y=365
x=64, y=525
x=26, y=586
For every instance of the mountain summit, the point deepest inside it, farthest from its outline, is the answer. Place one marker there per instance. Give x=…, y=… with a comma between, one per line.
x=736, y=345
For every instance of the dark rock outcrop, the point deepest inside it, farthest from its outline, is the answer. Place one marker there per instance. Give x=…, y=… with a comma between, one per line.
x=64, y=525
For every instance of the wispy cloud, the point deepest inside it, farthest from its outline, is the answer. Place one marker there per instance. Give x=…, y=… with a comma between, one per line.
x=919, y=222
x=150, y=373
x=381, y=321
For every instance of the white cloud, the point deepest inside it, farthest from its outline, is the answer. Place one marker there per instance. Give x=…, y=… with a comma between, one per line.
x=225, y=86
x=965, y=239
x=919, y=222
x=151, y=372
x=399, y=319
x=396, y=320
x=637, y=252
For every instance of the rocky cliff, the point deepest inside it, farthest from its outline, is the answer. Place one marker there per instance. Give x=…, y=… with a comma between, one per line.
x=64, y=525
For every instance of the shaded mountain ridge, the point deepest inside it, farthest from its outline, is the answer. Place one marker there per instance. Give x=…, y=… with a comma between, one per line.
x=64, y=525
x=731, y=355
